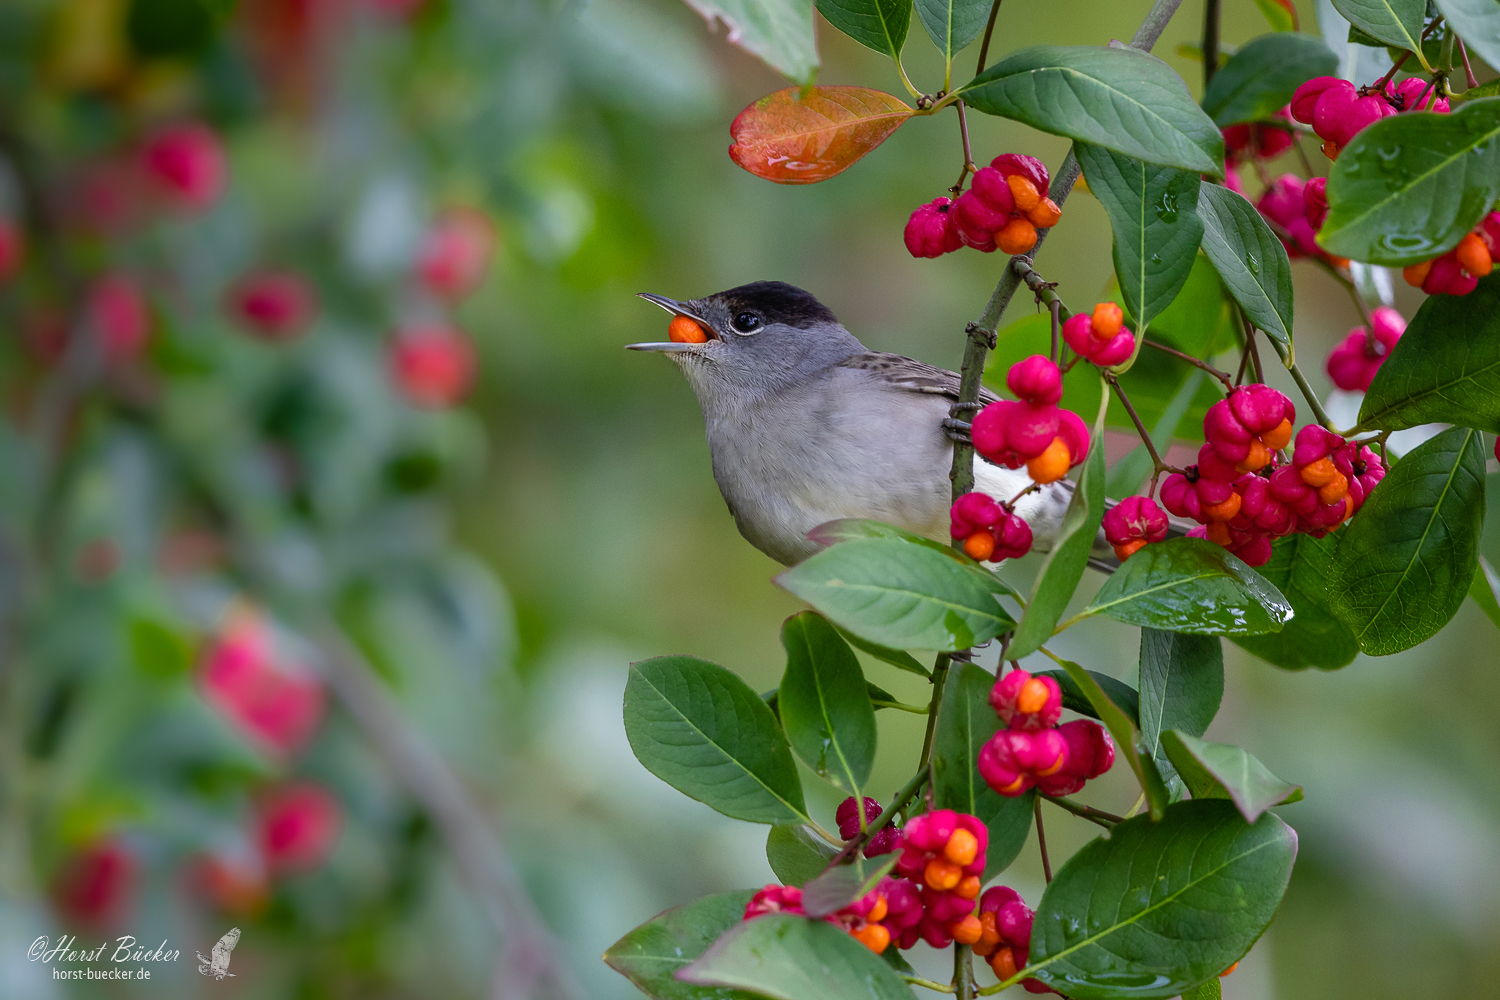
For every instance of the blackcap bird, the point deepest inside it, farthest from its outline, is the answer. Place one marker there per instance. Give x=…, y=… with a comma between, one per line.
x=806, y=425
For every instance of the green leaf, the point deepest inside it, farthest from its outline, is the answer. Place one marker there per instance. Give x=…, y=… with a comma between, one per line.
x=896, y=594
x=1119, y=98
x=1279, y=14
x=851, y=528
x=651, y=955
x=1211, y=990
x=838, y=887
x=824, y=706
x=1219, y=771
x=1202, y=320
x=1182, y=683
x=1395, y=22
x=1407, y=559
x=1127, y=738
x=1477, y=23
x=1445, y=368
x=877, y=24
x=1262, y=76
x=1490, y=89
x=1249, y=258
x=1065, y=563
x=703, y=731
x=1158, y=908
x=1484, y=588
x=895, y=657
x=778, y=31
x=965, y=723
x=1130, y=472
x=796, y=958
x=1409, y=187
x=157, y=648
x=796, y=855
x=1314, y=637
x=1153, y=212
x=953, y=23
x=1190, y=585
x=1125, y=697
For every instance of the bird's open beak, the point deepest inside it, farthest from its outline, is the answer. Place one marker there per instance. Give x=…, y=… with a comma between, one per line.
x=677, y=309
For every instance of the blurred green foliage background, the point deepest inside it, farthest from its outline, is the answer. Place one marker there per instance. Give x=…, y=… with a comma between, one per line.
x=574, y=525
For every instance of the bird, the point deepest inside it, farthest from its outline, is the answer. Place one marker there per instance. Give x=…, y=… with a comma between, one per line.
x=806, y=425
x=218, y=965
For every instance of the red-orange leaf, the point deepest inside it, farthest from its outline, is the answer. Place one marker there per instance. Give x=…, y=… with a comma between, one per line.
x=792, y=138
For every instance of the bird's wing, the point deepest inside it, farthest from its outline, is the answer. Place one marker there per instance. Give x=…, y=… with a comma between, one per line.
x=914, y=376
x=224, y=947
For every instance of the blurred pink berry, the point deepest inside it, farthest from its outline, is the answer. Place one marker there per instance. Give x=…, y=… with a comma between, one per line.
x=278, y=704
x=96, y=883
x=433, y=366
x=186, y=163
x=299, y=826
x=274, y=305
x=1353, y=363
x=455, y=253
x=116, y=313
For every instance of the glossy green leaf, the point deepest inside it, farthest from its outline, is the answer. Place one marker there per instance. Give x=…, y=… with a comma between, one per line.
x=952, y=24
x=1153, y=213
x=1211, y=990
x=796, y=854
x=1261, y=77
x=1158, y=908
x=1249, y=258
x=1395, y=22
x=1191, y=585
x=1406, y=561
x=1182, y=684
x=1477, y=23
x=1219, y=770
x=901, y=595
x=877, y=24
x=1314, y=637
x=838, y=887
x=965, y=723
x=1409, y=187
x=1119, y=98
x=652, y=954
x=703, y=731
x=777, y=31
x=1445, y=368
x=796, y=958
x=1126, y=735
x=895, y=657
x=824, y=706
x=1125, y=697
x=1484, y=589
x=1281, y=15
x=851, y=528
x=1202, y=320
x=1063, y=568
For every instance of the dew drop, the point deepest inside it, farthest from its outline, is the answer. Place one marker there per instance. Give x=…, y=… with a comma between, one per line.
x=1252, y=263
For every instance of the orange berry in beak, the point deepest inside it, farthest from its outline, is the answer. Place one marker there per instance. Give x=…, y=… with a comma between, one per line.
x=686, y=331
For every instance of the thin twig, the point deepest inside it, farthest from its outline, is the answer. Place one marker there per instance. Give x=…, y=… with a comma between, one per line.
x=963, y=972
x=1469, y=77
x=1210, y=41
x=984, y=46
x=907, y=793
x=1055, y=307
x=1099, y=816
x=1158, y=466
x=1379, y=86
x=929, y=984
x=1251, y=349
x=1041, y=838
x=963, y=130
x=1222, y=376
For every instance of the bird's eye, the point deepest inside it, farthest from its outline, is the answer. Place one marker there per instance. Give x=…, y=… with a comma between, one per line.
x=747, y=322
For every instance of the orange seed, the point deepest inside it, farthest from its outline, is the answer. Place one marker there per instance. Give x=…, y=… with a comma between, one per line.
x=1016, y=236
x=1052, y=464
x=962, y=848
x=980, y=545
x=967, y=930
x=1033, y=696
x=1416, y=273
x=1278, y=437
x=1474, y=255
x=874, y=937
x=941, y=874
x=1107, y=320
x=1024, y=192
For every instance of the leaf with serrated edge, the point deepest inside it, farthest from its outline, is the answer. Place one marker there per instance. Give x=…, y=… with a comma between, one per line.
x=1190, y=585
x=1124, y=730
x=1262, y=76
x=1395, y=22
x=1239, y=776
x=1153, y=213
x=797, y=137
x=1409, y=187
x=1445, y=368
x=650, y=955
x=795, y=958
x=1157, y=908
x=703, y=731
x=900, y=595
x=795, y=854
x=824, y=705
x=1314, y=637
x=1063, y=568
x=1407, y=559
x=965, y=723
x=877, y=24
x=1119, y=98
x=778, y=31
x=1249, y=258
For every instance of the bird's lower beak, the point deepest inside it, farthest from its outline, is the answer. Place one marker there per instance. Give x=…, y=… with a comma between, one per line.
x=677, y=309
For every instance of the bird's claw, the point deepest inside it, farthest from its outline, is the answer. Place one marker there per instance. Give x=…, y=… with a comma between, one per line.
x=958, y=430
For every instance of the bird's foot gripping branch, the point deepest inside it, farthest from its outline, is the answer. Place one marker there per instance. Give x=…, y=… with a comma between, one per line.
x=1296, y=544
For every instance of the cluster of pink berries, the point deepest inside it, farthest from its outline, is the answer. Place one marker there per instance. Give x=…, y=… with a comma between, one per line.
x=1298, y=208
x=1002, y=210
x=1133, y=523
x=1032, y=430
x=1353, y=363
x=1338, y=111
x=1259, y=141
x=1458, y=271
x=990, y=532
x=1100, y=337
x=1244, y=496
x=1033, y=750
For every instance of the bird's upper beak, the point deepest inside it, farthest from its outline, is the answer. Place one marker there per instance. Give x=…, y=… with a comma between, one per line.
x=677, y=309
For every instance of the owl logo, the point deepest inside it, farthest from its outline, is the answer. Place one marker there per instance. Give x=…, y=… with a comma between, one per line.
x=218, y=965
